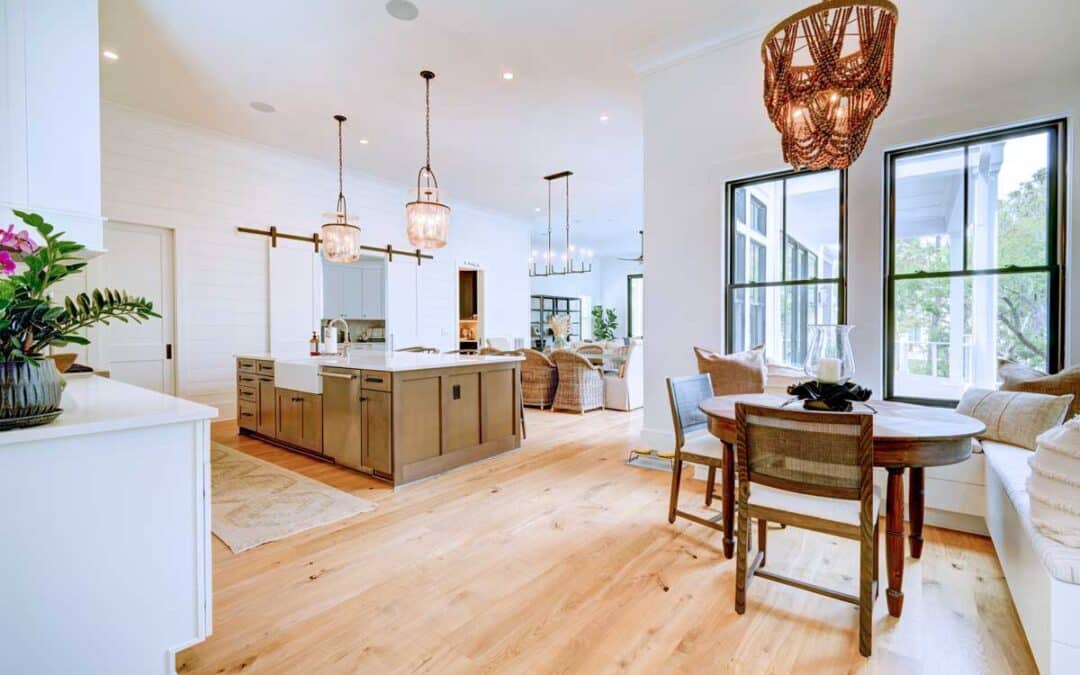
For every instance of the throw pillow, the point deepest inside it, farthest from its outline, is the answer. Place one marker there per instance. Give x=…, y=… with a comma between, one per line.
x=1054, y=484
x=1018, y=377
x=739, y=373
x=1014, y=417
x=778, y=377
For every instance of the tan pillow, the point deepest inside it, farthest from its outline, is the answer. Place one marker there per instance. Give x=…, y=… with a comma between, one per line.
x=1017, y=377
x=739, y=373
x=1014, y=417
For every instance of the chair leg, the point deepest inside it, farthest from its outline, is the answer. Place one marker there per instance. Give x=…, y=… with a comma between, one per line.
x=710, y=485
x=866, y=595
x=877, y=563
x=742, y=544
x=762, y=534
x=676, y=481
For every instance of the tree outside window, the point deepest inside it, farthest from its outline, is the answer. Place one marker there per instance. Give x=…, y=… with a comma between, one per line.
x=974, y=262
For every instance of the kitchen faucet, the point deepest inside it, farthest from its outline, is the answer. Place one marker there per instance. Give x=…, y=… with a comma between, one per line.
x=343, y=348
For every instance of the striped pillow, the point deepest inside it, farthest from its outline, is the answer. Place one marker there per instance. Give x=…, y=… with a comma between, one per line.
x=1014, y=417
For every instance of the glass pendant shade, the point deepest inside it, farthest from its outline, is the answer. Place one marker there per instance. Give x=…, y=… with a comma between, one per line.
x=829, y=357
x=340, y=242
x=427, y=223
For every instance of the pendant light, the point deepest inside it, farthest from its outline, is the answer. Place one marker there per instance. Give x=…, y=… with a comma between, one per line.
x=341, y=239
x=427, y=222
x=828, y=76
x=570, y=265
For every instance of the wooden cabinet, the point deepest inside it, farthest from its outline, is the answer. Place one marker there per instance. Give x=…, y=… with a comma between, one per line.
x=377, y=418
x=299, y=419
x=266, y=415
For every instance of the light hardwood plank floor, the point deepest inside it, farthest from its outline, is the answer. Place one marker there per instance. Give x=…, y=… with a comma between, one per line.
x=559, y=558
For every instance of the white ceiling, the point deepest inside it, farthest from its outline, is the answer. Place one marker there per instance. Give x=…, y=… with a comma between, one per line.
x=202, y=62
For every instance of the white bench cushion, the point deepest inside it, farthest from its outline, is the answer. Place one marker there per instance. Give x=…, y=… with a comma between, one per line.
x=1009, y=463
x=837, y=510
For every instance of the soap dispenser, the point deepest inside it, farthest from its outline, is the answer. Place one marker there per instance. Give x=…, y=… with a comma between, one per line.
x=314, y=342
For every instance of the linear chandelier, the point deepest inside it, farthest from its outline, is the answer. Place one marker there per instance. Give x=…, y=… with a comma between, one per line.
x=828, y=76
x=569, y=264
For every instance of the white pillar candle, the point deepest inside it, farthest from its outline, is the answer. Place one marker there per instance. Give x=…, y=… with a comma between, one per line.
x=828, y=370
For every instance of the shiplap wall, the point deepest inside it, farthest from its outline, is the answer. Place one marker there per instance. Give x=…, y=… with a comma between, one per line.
x=204, y=185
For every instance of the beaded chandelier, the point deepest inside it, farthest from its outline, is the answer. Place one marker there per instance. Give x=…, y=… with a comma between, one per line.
x=828, y=75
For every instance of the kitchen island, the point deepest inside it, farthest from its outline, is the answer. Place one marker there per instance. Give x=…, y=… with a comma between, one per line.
x=399, y=416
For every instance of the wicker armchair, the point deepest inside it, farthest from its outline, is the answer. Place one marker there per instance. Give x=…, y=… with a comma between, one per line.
x=581, y=384
x=590, y=348
x=539, y=377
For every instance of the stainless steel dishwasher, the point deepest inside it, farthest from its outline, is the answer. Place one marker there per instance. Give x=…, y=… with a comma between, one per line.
x=343, y=417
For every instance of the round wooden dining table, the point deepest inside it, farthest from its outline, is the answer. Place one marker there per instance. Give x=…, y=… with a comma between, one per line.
x=906, y=437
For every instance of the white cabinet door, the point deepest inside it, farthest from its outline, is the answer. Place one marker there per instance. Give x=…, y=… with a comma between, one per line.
x=333, y=290
x=353, y=292
x=372, y=293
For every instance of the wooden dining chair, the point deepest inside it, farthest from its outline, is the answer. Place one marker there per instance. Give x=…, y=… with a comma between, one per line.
x=693, y=443
x=812, y=470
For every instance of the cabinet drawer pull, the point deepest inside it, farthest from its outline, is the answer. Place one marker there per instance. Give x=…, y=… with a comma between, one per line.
x=247, y=414
x=247, y=379
x=338, y=376
x=363, y=399
x=298, y=399
x=377, y=380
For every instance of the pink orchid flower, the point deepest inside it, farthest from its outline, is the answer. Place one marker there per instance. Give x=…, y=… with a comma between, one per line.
x=7, y=264
x=19, y=242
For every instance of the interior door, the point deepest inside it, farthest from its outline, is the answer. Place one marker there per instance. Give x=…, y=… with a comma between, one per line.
x=139, y=261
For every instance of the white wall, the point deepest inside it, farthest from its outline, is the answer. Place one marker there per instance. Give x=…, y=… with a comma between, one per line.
x=605, y=286
x=702, y=130
x=204, y=185
x=50, y=152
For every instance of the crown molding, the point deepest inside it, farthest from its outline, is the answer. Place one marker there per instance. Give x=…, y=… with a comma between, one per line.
x=646, y=63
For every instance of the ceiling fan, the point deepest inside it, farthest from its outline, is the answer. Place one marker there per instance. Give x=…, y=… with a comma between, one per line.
x=641, y=256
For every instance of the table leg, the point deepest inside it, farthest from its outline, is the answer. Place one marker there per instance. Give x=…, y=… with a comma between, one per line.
x=727, y=485
x=915, y=510
x=894, y=539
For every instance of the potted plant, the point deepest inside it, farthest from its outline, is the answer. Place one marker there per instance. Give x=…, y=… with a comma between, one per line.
x=604, y=323
x=30, y=322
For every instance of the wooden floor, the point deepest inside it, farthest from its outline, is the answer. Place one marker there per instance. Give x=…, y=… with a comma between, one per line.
x=559, y=558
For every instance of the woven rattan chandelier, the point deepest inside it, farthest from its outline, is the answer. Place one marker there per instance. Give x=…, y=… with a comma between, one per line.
x=828, y=75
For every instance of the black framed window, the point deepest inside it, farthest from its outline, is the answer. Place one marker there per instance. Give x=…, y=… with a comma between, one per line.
x=974, y=260
x=635, y=305
x=786, y=265
x=760, y=215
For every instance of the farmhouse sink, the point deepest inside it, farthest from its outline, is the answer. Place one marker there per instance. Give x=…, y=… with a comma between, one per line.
x=298, y=376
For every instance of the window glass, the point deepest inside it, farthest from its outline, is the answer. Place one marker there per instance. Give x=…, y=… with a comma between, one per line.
x=972, y=263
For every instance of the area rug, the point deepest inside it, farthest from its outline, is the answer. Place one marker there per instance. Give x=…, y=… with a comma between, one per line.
x=254, y=501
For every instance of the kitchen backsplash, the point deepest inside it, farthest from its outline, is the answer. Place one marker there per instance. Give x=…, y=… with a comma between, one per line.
x=363, y=329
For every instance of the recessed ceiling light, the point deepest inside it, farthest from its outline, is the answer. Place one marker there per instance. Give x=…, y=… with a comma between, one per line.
x=110, y=55
x=508, y=75
x=604, y=118
x=537, y=209
x=263, y=107
x=363, y=141
x=402, y=9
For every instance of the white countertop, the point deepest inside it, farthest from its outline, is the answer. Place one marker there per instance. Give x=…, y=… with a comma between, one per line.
x=95, y=404
x=386, y=361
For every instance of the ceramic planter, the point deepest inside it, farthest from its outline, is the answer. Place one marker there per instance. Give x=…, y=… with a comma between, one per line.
x=29, y=393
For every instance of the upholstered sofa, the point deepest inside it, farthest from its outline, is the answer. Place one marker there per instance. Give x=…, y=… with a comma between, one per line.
x=1043, y=575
